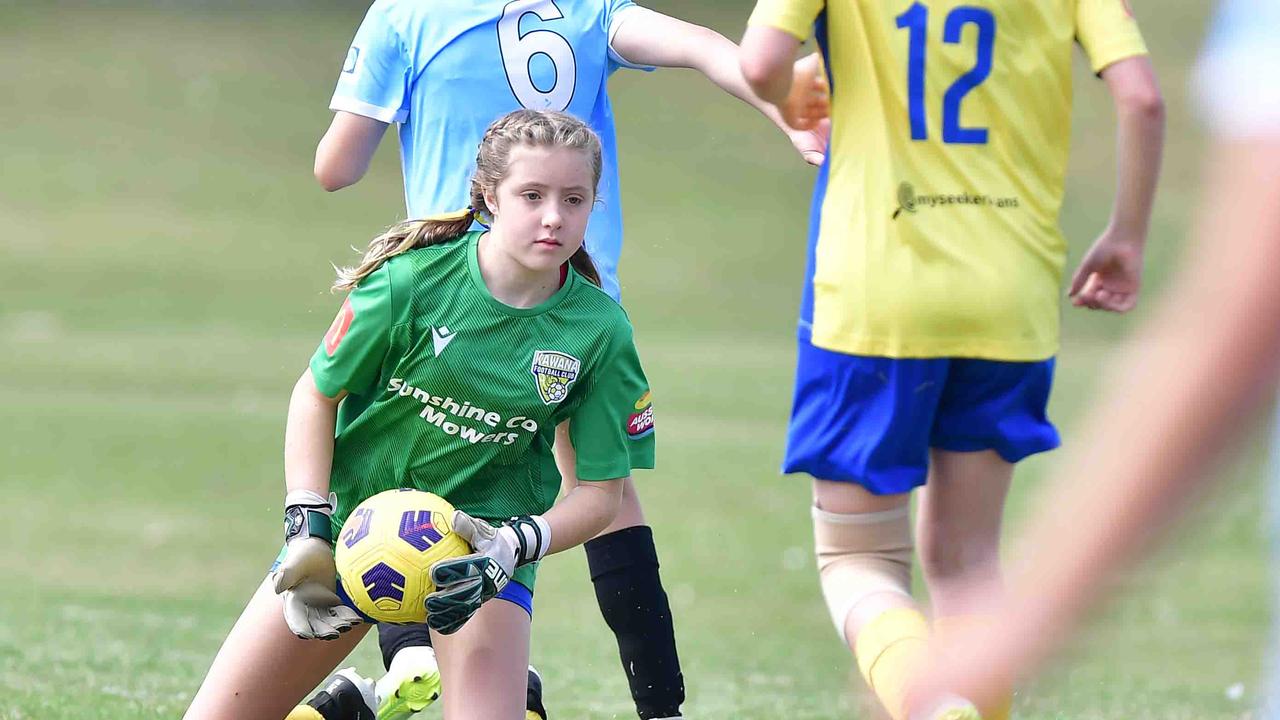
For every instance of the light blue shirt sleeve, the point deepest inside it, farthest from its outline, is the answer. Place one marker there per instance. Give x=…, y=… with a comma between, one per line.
x=375, y=77
x=618, y=12
x=1235, y=80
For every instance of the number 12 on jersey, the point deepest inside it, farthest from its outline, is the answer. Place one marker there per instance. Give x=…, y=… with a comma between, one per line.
x=916, y=21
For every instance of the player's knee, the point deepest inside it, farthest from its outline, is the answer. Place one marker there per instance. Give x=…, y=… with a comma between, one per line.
x=944, y=557
x=862, y=556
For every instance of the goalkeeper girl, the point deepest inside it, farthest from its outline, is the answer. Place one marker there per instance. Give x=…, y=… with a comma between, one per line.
x=440, y=71
x=510, y=320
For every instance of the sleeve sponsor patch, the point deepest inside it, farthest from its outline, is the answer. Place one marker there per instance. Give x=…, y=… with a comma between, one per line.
x=338, y=330
x=640, y=424
x=353, y=56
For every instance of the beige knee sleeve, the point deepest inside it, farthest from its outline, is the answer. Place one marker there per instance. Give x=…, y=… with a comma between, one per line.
x=860, y=555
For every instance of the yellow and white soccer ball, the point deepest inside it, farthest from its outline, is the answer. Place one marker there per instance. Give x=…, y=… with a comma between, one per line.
x=386, y=549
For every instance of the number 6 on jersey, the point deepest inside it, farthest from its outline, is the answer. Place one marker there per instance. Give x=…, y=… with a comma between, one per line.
x=519, y=50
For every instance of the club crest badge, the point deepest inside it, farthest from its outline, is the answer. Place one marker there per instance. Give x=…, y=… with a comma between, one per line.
x=553, y=373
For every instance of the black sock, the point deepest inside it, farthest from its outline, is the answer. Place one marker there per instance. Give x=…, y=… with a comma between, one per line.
x=341, y=700
x=624, y=570
x=392, y=638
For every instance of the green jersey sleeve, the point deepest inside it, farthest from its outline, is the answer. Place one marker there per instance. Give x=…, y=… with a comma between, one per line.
x=351, y=355
x=612, y=430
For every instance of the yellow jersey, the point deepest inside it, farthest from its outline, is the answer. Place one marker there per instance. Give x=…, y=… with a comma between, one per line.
x=939, y=204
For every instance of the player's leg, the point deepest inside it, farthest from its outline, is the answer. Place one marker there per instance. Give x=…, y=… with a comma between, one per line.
x=990, y=416
x=485, y=665
x=958, y=526
x=860, y=427
x=412, y=680
x=623, y=562
x=263, y=669
x=958, y=532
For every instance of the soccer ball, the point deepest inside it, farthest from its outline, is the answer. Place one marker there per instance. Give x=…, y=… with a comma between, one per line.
x=386, y=549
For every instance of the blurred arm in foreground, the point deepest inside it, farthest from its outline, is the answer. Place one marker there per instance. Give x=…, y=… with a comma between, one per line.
x=1178, y=396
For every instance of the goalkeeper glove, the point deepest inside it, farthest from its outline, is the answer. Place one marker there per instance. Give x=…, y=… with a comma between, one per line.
x=463, y=584
x=307, y=576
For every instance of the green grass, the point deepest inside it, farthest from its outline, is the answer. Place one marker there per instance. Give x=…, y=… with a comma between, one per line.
x=165, y=259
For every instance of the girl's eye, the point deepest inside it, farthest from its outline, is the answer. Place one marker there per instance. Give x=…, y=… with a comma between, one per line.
x=531, y=196
x=574, y=200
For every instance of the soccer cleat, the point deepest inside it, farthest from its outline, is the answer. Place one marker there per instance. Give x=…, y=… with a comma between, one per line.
x=412, y=683
x=346, y=696
x=534, y=709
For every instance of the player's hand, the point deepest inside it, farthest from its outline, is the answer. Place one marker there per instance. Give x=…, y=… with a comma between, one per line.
x=1110, y=275
x=812, y=144
x=809, y=101
x=463, y=584
x=307, y=576
x=306, y=580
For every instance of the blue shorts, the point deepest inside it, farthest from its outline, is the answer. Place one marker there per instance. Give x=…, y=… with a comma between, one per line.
x=514, y=592
x=872, y=420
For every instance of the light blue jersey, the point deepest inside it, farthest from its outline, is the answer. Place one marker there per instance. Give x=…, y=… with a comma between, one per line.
x=445, y=69
x=1235, y=79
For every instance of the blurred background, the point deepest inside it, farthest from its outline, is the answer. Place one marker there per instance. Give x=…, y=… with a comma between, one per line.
x=165, y=262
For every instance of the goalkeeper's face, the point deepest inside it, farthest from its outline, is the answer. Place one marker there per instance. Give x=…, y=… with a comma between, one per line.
x=541, y=207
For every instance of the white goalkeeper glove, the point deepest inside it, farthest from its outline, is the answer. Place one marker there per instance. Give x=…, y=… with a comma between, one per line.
x=307, y=576
x=464, y=583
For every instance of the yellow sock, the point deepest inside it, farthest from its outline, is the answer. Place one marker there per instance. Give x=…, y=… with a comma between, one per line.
x=886, y=649
x=304, y=712
x=944, y=626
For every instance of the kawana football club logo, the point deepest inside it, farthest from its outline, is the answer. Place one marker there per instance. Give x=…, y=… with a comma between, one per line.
x=553, y=373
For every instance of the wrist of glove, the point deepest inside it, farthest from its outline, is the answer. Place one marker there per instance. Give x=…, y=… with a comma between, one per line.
x=307, y=577
x=308, y=514
x=463, y=584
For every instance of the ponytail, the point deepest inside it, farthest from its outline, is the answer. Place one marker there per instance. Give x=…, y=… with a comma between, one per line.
x=403, y=237
x=582, y=262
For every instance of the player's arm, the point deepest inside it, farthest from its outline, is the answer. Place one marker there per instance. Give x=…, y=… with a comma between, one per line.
x=308, y=437
x=646, y=37
x=1110, y=276
x=305, y=576
x=1182, y=392
x=347, y=148
x=582, y=513
x=766, y=60
x=346, y=361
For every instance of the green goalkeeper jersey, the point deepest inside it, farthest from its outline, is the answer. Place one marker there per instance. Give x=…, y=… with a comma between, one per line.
x=453, y=392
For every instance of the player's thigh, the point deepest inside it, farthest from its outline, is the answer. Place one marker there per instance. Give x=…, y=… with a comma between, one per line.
x=862, y=420
x=961, y=507
x=990, y=416
x=262, y=669
x=484, y=666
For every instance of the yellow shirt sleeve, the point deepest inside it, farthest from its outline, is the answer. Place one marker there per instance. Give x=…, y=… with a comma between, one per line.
x=1108, y=32
x=792, y=16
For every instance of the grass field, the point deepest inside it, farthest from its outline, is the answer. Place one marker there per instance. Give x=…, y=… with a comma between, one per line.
x=165, y=264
